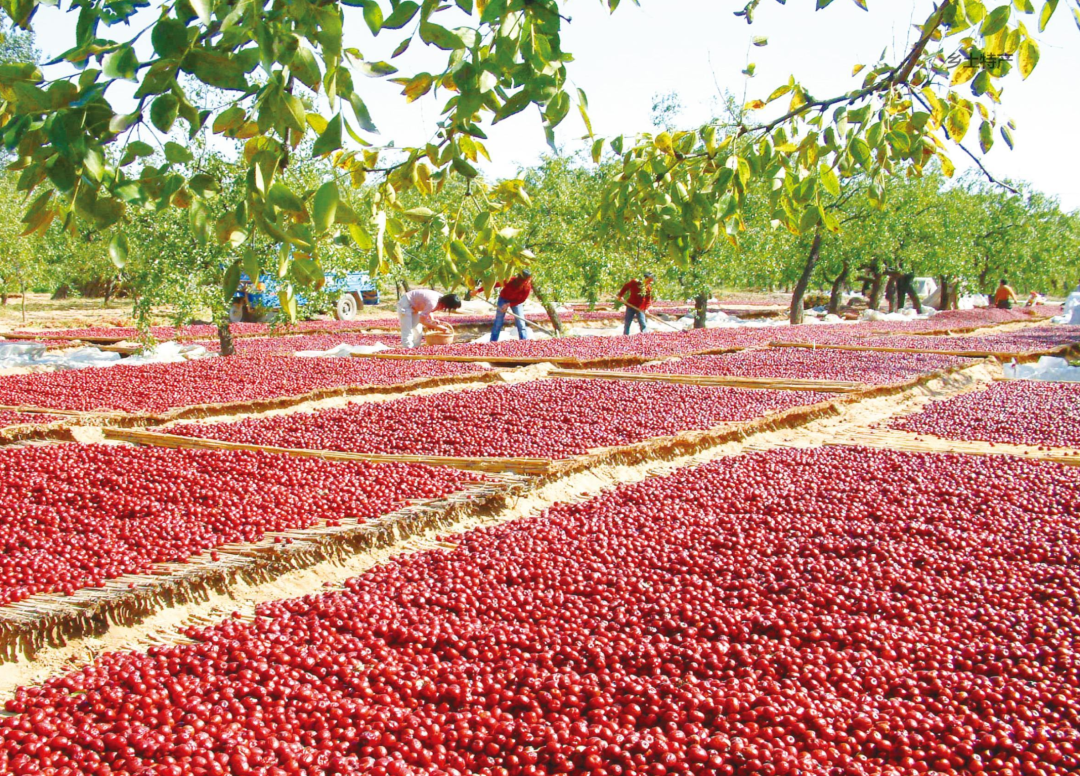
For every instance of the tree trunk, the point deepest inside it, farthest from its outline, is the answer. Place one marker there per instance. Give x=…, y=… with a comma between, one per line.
x=63, y=292
x=949, y=298
x=549, y=308
x=225, y=338
x=890, y=293
x=3, y=299
x=838, y=289
x=914, y=297
x=405, y=285
x=796, y=313
x=22, y=300
x=874, y=299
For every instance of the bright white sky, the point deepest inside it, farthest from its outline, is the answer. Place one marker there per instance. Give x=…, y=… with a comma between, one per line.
x=697, y=47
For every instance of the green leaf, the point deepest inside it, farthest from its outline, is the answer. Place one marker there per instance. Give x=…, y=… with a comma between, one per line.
x=995, y=21
x=204, y=185
x=557, y=108
x=1048, y=10
x=305, y=67
x=122, y=64
x=373, y=16
x=281, y=197
x=232, y=281
x=163, y=111
x=1076, y=16
x=230, y=118
x=94, y=163
x=1007, y=136
x=308, y=273
x=597, y=150
x=61, y=173
x=461, y=253
x=363, y=118
x=360, y=237
x=169, y=37
x=330, y=140
x=829, y=180
x=118, y=250
x=860, y=151
x=440, y=37
x=461, y=167
x=1028, y=57
x=204, y=9
x=178, y=154
x=376, y=69
x=760, y=41
x=324, y=206
x=986, y=136
x=401, y=15
x=216, y=70
x=250, y=265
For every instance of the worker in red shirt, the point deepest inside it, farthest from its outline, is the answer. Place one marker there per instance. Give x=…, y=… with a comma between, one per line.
x=512, y=295
x=637, y=296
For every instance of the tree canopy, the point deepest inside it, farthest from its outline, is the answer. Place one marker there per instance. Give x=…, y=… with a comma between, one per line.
x=279, y=80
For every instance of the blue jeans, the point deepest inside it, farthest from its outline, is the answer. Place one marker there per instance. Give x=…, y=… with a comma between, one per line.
x=500, y=318
x=628, y=319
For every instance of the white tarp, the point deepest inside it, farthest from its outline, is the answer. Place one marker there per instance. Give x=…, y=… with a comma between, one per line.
x=343, y=350
x=18, y=354
x=1071, y=314
x=1046, y=368
x=906, y=314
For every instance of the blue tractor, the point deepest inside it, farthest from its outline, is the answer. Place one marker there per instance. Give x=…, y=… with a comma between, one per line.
x=258, y=302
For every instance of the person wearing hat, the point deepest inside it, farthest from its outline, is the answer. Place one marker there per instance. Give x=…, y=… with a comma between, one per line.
x=512, y=294
x=415, y=308
x=637, y=296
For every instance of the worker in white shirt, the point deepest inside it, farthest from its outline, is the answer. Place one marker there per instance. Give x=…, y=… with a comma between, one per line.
x=415, y=309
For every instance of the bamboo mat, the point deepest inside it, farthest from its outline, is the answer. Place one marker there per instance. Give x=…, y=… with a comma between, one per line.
x=129, y=419
x=466, y=359
x=999, y=355
x=905, y=441
x=50, y=619
x=524, y=466
x=764, y=383
x=568, y=362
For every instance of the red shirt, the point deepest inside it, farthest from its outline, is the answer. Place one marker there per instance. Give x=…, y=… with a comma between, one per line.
x=636, y=298
x=515, y=290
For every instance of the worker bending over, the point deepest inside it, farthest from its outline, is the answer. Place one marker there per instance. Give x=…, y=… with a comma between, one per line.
x=638, y=297
x=513, y=294
x=1004, y=296
x=415, y=308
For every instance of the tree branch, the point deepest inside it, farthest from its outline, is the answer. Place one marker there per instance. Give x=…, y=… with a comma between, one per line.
x=959, y=145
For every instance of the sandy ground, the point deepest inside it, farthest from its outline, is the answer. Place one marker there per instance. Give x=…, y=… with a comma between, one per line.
x=163, y=626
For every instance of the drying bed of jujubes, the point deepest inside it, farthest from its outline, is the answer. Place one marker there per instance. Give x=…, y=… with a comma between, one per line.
x=816, y=611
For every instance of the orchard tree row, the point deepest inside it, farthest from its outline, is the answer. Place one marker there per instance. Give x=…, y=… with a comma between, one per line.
x=311, y=177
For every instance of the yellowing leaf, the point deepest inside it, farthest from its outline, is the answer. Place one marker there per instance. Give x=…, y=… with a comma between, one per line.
x=1029, y=57
x=1048, y=10
x=947, y=167
x=417, y=87
x=957, y=122
x=963, y=74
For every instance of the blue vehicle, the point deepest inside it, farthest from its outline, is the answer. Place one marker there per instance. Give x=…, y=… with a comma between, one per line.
x=259, y=301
